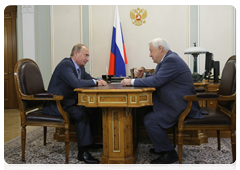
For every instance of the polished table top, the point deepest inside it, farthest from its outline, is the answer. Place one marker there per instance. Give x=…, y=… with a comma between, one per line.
x=114, y=88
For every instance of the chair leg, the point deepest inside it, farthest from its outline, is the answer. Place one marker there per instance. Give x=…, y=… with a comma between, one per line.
x=174, y=136
x=44, y=135
x=23, y=136
x=180, y=143
x=218, y=139
x=66, y=145
x=233, y=141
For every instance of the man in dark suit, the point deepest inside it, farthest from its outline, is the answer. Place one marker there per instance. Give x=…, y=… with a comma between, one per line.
x=172, y=80
x=68, y=75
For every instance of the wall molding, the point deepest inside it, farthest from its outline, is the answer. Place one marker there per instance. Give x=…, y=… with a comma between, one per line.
x=28, y=31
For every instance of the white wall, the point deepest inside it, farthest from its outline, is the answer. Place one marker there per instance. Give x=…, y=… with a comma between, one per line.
x=216, y=33
x=42, y=39
x=169, y=22
x=65, y=24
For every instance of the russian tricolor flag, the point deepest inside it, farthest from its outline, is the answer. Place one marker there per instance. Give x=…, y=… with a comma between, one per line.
x=118, y=57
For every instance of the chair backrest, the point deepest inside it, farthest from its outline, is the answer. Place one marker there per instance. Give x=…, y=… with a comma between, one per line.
x=228, y=81
x=28, y=80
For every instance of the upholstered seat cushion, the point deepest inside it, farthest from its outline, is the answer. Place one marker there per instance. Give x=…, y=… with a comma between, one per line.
x=39, y=116
x=215, y=117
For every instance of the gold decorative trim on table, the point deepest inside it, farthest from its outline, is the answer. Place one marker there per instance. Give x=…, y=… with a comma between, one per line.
x=84, y=98
x=112, y=99
x=116, y=130
x=133, y=99
x=91, y=99
x=143, y=98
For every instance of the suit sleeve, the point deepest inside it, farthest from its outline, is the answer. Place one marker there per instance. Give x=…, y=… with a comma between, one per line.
x=167, y=72
x=85, y=74
x=68, y=75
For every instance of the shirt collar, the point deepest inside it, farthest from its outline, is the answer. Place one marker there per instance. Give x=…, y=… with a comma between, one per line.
x=75, y=64
x=162, y=58
x=165, y=55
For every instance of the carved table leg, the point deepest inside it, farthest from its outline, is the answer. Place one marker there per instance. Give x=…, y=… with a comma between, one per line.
x=117, y=136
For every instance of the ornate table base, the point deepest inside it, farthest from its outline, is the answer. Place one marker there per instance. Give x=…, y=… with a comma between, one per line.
x=116, y=102
x=117, y=136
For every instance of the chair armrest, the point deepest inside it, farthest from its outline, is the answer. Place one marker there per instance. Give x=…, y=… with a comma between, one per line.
x=63, y=113
x=207, y=96
x=58, y=98
x=42, y=96
x=210, y=96
x=229, y=97
x=49, y=96
x=213, y=90
x=202, y=96
x=184, y=114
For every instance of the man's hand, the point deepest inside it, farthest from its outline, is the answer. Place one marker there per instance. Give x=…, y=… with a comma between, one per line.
x=126, y=82
x=138, y=72
x=102, y=82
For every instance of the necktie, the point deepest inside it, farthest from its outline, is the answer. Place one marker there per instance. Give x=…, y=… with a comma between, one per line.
x=79, y=73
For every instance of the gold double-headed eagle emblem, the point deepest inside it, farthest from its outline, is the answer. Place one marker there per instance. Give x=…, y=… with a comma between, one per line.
x=138, y=16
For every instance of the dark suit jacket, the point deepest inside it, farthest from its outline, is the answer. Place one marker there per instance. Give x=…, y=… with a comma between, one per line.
x=64, y=80
x=172, y=80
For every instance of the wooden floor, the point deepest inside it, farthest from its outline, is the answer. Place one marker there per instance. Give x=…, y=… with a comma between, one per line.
x=12, y=127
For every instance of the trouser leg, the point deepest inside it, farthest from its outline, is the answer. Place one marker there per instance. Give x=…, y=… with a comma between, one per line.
x=93, y=114
x=157, y=134
x=82, y=119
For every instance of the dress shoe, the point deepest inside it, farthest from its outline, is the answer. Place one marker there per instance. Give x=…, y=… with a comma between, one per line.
x=152, y=150
x=166, y=158
x=95, y=146
x=87, y=158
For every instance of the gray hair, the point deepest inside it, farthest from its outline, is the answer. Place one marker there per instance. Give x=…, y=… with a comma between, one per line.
x=77, y=47
x=159, y=42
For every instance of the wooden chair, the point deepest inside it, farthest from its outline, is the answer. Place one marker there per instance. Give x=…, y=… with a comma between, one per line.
x=31, y=95
x=221, y=118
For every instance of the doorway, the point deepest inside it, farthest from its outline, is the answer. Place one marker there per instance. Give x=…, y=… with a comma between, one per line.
x=10, y=56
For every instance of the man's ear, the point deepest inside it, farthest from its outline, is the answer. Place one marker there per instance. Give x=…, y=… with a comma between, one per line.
x=160, y=48
x=75, y=52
